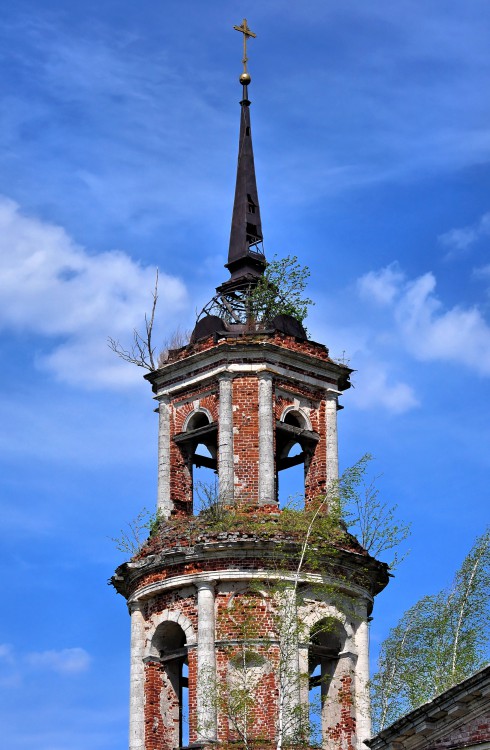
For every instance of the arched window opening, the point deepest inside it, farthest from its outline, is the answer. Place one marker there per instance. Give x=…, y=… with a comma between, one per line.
x=198, y=419
x=199, y=446
x=295, y=445
x=296, y=419
x=169, y=642
x=327, y=640
x=291, y=477
x=205, y=486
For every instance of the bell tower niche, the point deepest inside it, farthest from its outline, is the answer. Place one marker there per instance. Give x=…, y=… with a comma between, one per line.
x=249, y=622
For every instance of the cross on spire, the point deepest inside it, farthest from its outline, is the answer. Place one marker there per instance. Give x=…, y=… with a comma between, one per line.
x=246, y=33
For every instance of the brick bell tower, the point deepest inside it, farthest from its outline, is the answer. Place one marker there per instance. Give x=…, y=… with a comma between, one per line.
x=236, y=629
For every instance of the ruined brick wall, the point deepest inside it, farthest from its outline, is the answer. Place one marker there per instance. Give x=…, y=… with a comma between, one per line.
x=246, y=438
x=472, y=733
x=245, y=668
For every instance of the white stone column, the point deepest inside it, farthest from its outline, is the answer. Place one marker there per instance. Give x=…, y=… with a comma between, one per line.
x=137, y=679
x=225, y=439
x=267, y=472
x=164, y=504
x=289, y=674
x=206, y=662
x=332, y=446
x=362, y=703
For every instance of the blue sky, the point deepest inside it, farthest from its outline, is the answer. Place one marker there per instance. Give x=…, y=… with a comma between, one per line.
x=118, y=130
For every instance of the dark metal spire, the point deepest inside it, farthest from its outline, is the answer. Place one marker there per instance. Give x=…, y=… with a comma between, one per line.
x=245, y=256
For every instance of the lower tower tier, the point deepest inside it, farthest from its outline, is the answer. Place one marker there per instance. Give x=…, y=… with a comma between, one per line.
x=250, y=629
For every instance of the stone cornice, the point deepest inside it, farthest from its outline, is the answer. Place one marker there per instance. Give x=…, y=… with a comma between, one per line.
x=242, y=358
x=219, y=576
x=349, y=564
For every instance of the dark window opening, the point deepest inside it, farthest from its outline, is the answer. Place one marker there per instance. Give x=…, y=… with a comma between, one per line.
x=198, y=419
x=251, y=204
x=247, y=130
x=294, y=419
x=252, y=232
x=170, y=643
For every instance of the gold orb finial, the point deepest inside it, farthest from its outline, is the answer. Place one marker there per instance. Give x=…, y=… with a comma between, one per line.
x=245, y=79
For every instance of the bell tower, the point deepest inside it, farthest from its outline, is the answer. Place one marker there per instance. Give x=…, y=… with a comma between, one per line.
x=249, y=623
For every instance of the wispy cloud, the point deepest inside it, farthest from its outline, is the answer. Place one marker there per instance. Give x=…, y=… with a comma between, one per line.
x=427, y=329
x=459, y=240
x=74, y=299
x=375, y=388
x=382, y=286
x=66, y=661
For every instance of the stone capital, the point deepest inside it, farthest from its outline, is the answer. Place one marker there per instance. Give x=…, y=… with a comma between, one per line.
x=265, y=375
x=206, y=585
x=225, y=375
x=136, y=606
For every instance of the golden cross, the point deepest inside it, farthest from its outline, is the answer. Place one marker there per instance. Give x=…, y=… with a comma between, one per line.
x=246, y=33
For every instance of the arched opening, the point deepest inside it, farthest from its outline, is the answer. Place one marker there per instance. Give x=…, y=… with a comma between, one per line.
x=205, y=486
x=327, y=640
x=169, y=643
x=296, y=419
x=293, y=451
x=199, y=447
x=291, y=477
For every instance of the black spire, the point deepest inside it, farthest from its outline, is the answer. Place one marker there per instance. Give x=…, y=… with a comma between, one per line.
x=245, y=255
x=246, y=260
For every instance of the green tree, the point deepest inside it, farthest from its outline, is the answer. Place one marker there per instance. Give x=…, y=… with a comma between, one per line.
x=281, y=290
x=372, y=520
x=439, y=641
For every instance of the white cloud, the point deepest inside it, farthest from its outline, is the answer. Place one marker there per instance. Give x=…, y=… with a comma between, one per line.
x=381, y=286
x=66, y=661
x=459, y=240
x=374, y=389
x=429, y=331
x=53, y=287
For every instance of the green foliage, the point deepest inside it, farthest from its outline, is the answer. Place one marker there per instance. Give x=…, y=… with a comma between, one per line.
x=134, y=536
x=372, y=521
x=438, y=642
x=281, y=290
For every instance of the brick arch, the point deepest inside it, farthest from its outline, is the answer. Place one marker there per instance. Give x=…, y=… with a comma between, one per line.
x=300, y=411
x=201, y=409
x=311, y=618
x=170, y=616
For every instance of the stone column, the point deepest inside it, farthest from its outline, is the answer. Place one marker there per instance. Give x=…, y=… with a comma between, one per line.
x=225, y=439
x=164, y=504
x=206, y=663
x=289, y=677
x=137, y=679
x=331, y=436
x=362, y=705
x=267, y=492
